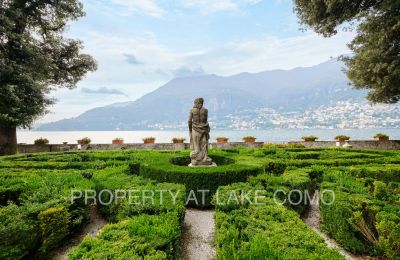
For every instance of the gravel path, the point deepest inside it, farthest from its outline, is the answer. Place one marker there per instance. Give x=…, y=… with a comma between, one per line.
x=198, y=235
x=313, y=219
x=96, y=222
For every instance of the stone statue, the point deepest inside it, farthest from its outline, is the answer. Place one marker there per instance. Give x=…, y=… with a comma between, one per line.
x=199, y=131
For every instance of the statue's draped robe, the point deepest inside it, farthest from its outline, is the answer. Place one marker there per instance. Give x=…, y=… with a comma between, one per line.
x=199, y=136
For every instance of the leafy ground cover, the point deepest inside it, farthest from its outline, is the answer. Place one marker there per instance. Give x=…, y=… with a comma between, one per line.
x=37, y=213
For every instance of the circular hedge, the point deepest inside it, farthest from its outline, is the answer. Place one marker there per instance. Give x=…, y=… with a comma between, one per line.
x=201, y=182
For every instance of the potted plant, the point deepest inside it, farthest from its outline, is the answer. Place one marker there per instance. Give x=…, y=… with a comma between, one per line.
x=342, y=138
x=85, y=140
x=177, y=140
x=118, y=141
x=381, y=137
x=41, y=141
x=249, y=139
x=149, y=140
x=309, y=138
x=222, y=139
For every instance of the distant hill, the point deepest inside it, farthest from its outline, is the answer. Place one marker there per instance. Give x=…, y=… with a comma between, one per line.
x=299, y=89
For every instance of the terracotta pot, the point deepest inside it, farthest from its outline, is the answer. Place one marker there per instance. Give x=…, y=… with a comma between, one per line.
x=382, y=138
x=177, y=141
x=150, y=141
x=249, y=140
x=118, y=142
x=222, y=140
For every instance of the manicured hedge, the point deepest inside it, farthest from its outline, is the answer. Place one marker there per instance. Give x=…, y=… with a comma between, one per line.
x=162, y=169
x=139, y=237
x=297, y=180
x=43, y=215
x=264, y=231
x=119, y=179
x=36, y=214
x=364, y=216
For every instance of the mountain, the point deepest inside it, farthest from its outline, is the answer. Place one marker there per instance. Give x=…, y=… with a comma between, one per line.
x=283, y=91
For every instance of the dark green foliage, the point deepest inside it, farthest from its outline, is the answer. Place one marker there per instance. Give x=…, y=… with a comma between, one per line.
x=19, y=234
x=141, y=237
x=305, y=155
x=44, y=215
x=35, y=57
x=114, y=179
x=87, y=174
x=54, y=227
x=358, y=203
x=275, y=167
x=365, y=183
x=196, y=179
x=134, y=168
x=375, y=63
x=269, y=231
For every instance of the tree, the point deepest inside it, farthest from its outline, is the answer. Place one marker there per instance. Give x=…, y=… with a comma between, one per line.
x=35, y=59
x=375, y=63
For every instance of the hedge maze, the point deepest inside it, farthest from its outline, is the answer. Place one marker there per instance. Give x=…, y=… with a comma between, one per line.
x=259, y=196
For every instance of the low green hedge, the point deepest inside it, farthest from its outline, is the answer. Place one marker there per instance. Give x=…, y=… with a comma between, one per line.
x=43, y=215
x=140, y=237
x=388, y=173
x=196, y=179
x=267, y=231
x=364, y=216
x=118, y=179
x=290, y=184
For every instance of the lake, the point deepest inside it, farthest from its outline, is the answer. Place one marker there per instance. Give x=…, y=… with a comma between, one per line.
x=269, y=135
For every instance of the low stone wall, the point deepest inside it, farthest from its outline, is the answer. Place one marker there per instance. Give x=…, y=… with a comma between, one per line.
x=379, y=145
x=236, y=144
x=32, y=148
x=137, y=146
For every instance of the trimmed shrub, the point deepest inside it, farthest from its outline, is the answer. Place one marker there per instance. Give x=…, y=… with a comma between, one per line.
x=140, y=237
x=116, y=179
x=199, y=181
x=267, y=231
x=54, y=227
x=19, y=234
x=305, y=155
x=274, y=167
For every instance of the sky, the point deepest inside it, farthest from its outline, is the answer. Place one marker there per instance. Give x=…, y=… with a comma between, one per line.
x=140, y=45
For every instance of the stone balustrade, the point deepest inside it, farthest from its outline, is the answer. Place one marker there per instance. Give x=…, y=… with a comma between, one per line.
x=32, y=148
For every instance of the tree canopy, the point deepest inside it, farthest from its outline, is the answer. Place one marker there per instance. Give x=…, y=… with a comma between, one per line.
x=36, y=58
x=375, y=62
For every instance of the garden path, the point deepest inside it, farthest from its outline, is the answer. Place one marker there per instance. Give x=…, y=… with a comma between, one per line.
x=96, y=222
x=198, y=235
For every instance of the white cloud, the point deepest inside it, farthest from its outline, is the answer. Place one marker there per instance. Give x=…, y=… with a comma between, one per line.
x=147, y=6
x=159, y=63
x=212, y=6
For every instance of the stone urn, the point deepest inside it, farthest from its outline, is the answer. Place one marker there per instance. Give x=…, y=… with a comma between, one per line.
x=347, y=145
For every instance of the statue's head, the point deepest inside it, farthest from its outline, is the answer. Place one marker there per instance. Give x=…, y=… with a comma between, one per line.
x=198, y=102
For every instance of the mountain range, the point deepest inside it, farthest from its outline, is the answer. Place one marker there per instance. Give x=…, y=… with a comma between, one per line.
x=281, y=91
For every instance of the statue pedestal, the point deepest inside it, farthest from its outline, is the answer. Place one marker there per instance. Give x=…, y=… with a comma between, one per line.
x=211, y=165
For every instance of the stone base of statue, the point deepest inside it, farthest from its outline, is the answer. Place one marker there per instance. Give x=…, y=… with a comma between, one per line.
x=213, y=164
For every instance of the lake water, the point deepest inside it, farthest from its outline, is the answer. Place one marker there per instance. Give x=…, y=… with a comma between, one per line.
x=270, y=135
